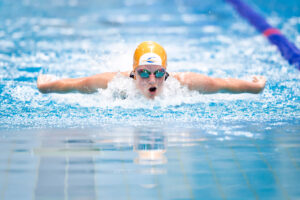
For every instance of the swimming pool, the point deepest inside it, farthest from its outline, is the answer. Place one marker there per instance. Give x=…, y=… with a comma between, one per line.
x=182, y=145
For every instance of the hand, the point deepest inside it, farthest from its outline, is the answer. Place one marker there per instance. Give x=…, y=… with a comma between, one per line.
x=44, y=80
x=260, y=82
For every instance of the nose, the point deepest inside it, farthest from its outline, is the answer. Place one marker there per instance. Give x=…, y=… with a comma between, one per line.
x=151, y=79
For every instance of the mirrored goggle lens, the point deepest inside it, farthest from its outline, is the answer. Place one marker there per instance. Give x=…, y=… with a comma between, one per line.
x=159, y=73
x=144, y=73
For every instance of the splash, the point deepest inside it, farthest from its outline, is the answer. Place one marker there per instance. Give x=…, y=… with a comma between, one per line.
x=122, y=92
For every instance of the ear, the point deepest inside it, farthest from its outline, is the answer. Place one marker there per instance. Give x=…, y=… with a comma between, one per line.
x=166, y=76
x=131, y=74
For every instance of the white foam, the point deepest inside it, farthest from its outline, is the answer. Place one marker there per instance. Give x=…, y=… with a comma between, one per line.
x=240, y=133
x=122, y=92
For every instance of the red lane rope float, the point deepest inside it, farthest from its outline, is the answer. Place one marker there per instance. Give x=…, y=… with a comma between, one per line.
x=271, y=31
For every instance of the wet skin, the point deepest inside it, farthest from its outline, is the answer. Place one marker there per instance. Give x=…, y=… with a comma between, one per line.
x=152, y=86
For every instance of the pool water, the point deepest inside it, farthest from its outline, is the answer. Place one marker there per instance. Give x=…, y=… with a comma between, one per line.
x=115, y=144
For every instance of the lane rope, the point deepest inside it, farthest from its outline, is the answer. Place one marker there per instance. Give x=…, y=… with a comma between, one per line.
x=287, y=49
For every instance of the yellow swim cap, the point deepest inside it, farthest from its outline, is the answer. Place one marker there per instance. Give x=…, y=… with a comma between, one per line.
x=149, y=53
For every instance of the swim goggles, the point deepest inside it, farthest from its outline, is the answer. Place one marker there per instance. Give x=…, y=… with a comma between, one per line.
x=144, y=73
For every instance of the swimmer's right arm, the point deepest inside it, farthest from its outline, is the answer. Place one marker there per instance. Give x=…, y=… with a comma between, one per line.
x=46, y=84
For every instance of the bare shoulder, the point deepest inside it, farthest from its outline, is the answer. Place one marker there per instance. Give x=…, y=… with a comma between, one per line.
x=127, y=73
x=180, y=76
x=109, y=75
x=195, y=81
x=187, y=77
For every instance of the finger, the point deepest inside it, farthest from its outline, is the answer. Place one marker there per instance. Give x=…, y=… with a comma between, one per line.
x=254, y=78
x=47, y=78
x=40, y=78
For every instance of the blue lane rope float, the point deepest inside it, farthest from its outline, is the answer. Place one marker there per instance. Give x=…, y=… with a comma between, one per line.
x=288, y=50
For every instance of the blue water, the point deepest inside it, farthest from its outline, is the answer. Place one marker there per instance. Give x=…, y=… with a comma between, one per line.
x=182, y=145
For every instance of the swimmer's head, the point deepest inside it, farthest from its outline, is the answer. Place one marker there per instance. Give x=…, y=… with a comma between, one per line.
x=149, y=53
x=149, y=68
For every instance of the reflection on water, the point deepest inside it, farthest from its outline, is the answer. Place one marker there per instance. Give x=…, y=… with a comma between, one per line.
x=66, y=165
x=73, y=162
x=150, y=145
x=150, y=163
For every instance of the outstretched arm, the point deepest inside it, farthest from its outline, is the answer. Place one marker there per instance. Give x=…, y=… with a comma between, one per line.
x=46, y=84
x=206, y=84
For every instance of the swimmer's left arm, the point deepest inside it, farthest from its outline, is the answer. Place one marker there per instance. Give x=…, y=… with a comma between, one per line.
x=205, y=84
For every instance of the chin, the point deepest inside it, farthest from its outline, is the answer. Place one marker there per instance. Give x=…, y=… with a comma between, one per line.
x=150, y=96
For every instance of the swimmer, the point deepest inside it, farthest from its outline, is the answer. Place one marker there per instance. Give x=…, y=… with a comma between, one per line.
x=149, y=74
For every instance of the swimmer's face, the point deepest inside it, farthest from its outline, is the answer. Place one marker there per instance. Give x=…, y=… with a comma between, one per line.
x=151, y=86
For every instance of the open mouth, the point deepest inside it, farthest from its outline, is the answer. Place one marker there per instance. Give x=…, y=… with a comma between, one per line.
x=152, y=89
